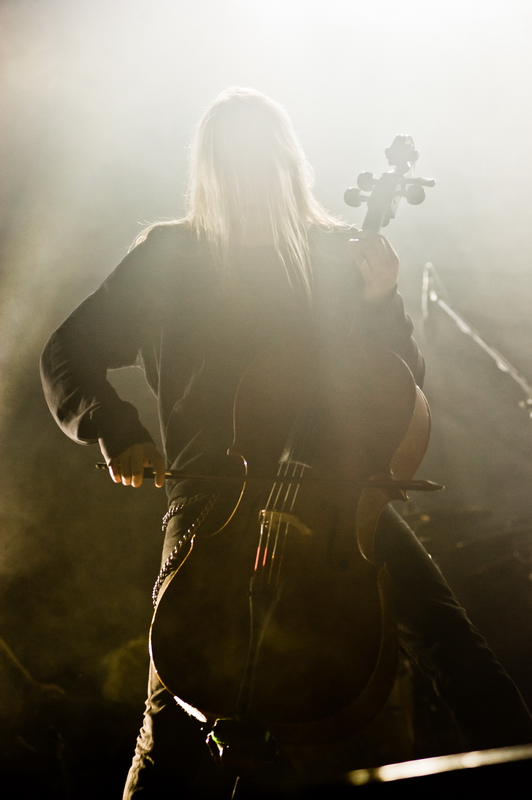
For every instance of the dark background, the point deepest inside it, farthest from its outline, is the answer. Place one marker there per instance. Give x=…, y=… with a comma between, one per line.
x=98, y=103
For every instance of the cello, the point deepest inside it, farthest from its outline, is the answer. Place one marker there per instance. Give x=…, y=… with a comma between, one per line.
x=272, y=610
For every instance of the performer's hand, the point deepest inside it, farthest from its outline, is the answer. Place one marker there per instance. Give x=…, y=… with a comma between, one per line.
x=378, y=263
x=128, y=467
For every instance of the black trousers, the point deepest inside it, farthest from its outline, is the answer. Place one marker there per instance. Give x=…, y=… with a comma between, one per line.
x=433, y=630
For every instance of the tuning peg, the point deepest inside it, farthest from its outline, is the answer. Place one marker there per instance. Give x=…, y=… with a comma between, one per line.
x=354, y=197
x=422, y=181
x=366, y=181
x=415, y=194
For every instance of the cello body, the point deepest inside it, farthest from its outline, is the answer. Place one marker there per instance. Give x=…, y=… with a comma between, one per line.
x=277, y=612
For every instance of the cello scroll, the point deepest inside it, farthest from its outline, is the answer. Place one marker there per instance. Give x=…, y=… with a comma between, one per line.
x=387, y=191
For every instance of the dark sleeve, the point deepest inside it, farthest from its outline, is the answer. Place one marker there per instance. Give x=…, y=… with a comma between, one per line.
x=384, y=323
x=387, y=324
x=106, y=331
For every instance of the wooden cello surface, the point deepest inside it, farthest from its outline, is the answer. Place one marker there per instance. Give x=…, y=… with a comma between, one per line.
x=281, y=616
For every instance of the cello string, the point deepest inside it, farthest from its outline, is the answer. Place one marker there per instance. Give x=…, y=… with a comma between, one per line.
x=278, y=563
x=266, y=519
x=273, y=529
x=266, y=523
x=259, y=546
x=294, y=489
x=283, y=467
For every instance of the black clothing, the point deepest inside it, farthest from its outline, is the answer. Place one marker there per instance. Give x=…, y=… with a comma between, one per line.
x=167, y=305
x=435, y=633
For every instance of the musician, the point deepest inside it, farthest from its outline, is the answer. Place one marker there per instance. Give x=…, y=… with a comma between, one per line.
x=255, y=262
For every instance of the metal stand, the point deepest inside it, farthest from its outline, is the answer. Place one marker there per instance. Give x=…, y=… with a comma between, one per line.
x=430, y=294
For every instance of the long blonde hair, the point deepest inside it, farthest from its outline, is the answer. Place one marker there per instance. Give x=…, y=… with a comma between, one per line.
x=247, y=167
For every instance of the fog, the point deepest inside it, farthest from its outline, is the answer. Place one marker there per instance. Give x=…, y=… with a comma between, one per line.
x=99, y=100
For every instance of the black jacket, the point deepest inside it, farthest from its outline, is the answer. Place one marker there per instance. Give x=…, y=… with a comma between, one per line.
x=165, y=307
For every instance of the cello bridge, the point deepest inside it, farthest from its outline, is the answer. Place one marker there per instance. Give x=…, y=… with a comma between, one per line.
x=276, y=518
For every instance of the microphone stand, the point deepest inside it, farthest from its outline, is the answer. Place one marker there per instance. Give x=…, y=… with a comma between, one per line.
x=429, y=295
